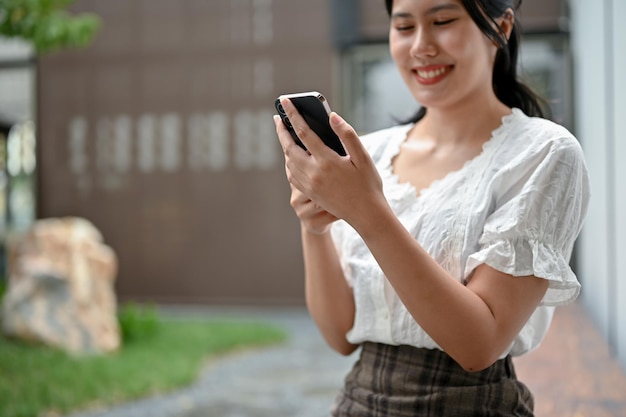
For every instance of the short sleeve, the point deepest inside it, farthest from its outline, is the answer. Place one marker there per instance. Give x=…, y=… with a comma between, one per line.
x=540, y=201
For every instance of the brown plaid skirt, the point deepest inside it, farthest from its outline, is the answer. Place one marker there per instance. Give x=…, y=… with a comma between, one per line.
x=404, y=381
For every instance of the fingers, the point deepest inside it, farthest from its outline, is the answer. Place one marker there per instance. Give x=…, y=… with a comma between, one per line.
x=312, y=216
x=307, y=136
x=298, y=198
x=295, y=156
x=284, y=137
x=348, y=136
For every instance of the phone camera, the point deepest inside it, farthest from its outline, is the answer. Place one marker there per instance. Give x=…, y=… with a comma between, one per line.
x=280, y=108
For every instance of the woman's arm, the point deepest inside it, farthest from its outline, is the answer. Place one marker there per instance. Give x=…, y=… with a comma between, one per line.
x=329, y=299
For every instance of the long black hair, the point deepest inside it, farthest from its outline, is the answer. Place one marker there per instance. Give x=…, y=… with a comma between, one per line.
x=506, y=85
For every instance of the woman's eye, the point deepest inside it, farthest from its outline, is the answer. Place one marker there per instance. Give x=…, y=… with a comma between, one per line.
x=403, y=28
x=444, y=22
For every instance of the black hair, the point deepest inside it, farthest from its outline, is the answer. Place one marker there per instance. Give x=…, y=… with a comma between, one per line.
x=506, y=85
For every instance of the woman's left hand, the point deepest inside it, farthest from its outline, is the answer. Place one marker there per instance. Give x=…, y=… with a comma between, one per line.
x=349, y=187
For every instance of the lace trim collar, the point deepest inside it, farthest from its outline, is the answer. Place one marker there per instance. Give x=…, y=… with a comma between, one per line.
x=399, y=189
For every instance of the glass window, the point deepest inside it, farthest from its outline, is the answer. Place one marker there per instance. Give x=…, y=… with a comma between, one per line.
x=375, y=96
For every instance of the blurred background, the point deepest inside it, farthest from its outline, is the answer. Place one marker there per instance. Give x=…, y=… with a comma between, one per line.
x=160, y=133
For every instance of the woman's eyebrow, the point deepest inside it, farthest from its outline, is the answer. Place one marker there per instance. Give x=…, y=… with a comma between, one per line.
x=443, y=7
x=432, y=10
x=401, y=15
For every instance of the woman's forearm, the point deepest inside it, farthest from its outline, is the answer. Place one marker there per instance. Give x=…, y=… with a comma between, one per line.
x=329, y=298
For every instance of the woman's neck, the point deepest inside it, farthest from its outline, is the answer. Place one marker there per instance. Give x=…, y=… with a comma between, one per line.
x=462, y=123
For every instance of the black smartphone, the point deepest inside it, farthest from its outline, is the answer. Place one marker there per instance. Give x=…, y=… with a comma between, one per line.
x=314, y=109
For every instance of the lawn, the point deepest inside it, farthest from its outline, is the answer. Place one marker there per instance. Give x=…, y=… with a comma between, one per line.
x=157, y=356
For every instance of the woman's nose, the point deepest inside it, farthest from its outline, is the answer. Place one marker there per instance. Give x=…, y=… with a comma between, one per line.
x=423, y=44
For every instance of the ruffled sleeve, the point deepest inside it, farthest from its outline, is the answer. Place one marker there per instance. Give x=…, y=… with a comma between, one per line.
x=540, y=201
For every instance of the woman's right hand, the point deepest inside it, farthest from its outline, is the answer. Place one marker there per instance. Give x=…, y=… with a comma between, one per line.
x=313, y=218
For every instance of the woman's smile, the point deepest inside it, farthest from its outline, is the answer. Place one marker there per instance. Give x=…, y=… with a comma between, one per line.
x=431, y=74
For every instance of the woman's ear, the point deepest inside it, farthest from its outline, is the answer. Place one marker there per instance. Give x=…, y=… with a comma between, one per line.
x=506, y=22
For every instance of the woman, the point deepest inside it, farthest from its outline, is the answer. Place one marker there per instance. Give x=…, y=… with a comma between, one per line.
x=441, y=246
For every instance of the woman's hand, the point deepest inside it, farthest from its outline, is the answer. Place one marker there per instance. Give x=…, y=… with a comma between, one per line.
x=339, y=185
x=313, y=218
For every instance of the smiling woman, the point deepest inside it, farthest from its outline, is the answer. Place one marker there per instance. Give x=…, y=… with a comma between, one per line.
x=466, y=216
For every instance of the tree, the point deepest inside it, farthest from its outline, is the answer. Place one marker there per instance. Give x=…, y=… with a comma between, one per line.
x=46, y=24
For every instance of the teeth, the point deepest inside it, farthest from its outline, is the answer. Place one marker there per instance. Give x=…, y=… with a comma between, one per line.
x=433, y=73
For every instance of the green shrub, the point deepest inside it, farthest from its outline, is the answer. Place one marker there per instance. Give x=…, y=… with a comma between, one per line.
x=137, y=322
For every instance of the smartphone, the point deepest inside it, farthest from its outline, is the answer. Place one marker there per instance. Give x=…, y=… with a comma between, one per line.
x=315, y=110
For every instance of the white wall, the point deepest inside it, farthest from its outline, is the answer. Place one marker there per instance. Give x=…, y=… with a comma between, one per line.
x=619, y=80
x=599, y=55
x=17, y=82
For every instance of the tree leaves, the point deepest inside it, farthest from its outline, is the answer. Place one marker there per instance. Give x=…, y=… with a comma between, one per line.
x=47, y=24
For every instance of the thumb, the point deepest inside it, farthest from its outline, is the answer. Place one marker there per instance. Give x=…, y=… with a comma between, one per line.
x=347, y=134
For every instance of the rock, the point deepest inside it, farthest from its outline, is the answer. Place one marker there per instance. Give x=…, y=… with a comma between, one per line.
x=61, y=287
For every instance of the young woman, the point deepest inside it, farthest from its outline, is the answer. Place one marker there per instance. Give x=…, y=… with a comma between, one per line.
x=441, y=246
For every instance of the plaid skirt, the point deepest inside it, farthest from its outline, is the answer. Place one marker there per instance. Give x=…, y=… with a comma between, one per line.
x=404, y=381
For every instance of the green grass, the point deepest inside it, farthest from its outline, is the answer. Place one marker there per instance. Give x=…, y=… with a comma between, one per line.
x=157, y=356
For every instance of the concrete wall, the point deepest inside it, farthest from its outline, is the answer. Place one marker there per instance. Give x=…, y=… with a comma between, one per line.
x=599, y=59
x=160, y=133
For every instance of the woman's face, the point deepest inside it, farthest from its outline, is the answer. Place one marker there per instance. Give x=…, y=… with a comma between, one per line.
x=442, y=55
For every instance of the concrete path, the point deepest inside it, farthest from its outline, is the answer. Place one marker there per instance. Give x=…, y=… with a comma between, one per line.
x=572, y=374
x=298, y=378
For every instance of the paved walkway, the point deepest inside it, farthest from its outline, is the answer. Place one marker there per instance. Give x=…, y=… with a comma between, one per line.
x=299, y=378
x=572, y=374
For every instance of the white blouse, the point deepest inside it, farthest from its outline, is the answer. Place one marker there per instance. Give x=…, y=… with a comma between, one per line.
x=518, y=207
